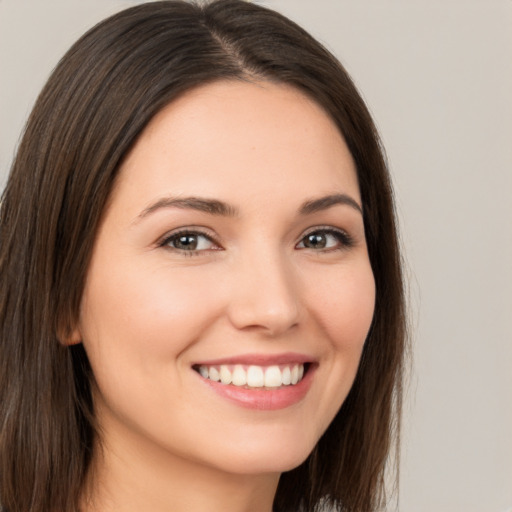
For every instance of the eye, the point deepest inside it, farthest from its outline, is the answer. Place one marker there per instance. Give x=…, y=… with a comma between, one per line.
x=189, y=241
x=325, y=239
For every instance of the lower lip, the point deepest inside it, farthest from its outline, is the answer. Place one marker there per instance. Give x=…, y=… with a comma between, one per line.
x=264, y=399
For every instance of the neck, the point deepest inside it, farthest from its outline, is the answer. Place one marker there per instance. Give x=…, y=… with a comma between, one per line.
x=132, y=476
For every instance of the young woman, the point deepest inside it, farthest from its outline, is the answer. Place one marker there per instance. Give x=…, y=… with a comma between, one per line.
x=201, y=297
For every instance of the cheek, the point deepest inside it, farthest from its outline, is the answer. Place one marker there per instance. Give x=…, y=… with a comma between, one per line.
x=143, y=314
x=345, y=306
x=345, y=314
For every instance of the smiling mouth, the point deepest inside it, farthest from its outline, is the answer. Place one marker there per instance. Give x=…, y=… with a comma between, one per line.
x=254, y=376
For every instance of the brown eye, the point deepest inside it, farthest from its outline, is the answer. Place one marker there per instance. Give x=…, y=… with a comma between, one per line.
x=322, y=239
x=185, y=242
x=189, y=241
x=315, y=241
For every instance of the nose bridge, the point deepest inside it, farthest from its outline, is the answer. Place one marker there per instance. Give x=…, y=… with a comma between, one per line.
x=265, y=291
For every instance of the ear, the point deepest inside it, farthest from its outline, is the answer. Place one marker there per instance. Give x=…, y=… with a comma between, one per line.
x=74, y=338
x=69, y=336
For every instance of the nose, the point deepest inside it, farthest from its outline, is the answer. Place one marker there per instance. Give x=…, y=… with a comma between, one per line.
x=264, y=295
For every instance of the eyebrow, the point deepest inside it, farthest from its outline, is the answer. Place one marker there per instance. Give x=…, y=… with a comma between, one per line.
x=220, y=208
x=210, y=206
x=322, y=203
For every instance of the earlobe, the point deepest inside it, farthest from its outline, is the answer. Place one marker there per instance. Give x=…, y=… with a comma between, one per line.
x=70, y=337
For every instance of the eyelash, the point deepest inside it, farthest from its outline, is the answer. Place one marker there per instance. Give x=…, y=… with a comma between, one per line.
x=194, y=232
x=344, y=240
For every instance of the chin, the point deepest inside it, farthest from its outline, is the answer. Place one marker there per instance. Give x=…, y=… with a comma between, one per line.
x=249, y=458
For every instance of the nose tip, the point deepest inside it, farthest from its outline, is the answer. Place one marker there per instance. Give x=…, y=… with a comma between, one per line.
x=266, y=299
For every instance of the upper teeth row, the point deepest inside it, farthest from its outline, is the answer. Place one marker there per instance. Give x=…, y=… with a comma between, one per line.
x=254, y=376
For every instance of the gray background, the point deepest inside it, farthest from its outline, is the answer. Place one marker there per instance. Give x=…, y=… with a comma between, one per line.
x=437, y=76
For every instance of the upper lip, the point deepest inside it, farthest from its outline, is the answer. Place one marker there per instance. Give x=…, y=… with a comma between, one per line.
x=259, y=359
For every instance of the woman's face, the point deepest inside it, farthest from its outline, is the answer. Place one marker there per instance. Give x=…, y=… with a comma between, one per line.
x=231, y=257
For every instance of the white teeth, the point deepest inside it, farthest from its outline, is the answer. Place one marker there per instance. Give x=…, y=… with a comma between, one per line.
x=225, y=375
x=287, y=376
x=273, y=377
x=213, y=374
x=295, y=374
x=254, y=376
x=239, y=376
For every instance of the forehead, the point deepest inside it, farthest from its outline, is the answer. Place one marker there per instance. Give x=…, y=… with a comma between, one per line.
x=240, y=138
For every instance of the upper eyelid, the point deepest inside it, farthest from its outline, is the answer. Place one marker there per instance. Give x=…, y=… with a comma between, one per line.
x=322, y=227
x=327, y=229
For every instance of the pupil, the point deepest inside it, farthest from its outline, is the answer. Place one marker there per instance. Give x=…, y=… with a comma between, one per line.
x=316, y=241
x=187, y=242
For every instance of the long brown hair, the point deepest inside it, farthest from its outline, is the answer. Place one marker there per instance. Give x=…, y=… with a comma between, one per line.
x=96, y=103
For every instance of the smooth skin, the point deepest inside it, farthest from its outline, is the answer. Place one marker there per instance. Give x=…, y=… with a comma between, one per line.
x=174, y=281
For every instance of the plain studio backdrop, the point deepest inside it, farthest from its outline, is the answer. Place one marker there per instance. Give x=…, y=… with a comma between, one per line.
x=437, y=76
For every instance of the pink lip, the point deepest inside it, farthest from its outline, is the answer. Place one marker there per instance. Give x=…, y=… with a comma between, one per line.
x=264, y=399
x=260, y=359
